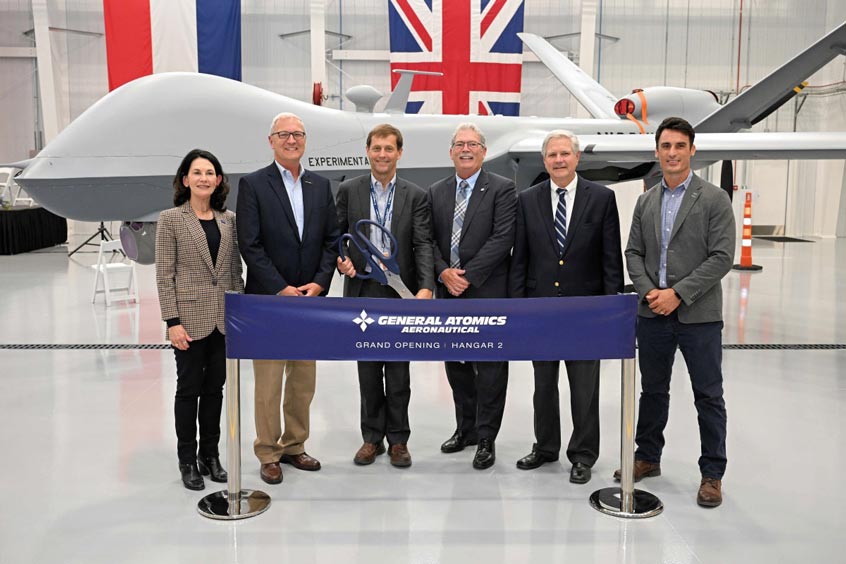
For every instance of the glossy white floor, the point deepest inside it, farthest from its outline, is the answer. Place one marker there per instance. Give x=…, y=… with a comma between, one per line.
x=89, y=467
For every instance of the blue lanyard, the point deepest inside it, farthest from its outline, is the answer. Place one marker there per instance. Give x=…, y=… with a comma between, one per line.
x=380, y=219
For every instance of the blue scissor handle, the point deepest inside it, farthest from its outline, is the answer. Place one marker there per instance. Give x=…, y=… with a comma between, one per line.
x=371, y=253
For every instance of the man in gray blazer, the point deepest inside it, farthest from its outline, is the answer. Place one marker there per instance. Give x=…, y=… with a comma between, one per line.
x=399, y=206
x=473, y=218
x=680, y=247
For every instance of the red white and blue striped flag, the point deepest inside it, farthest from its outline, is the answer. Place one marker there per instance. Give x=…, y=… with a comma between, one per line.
x=473, y=43
x=151, y=36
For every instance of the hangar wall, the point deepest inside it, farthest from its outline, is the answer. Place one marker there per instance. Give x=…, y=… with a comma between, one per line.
x=641, y=43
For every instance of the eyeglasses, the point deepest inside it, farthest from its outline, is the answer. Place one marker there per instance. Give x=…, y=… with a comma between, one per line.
x=283, y=135
x=468, y=144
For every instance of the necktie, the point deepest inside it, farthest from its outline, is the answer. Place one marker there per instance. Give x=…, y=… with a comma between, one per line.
x=561, y=219
x=458, y=223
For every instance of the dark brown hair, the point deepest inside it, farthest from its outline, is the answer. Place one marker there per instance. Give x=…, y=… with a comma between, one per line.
x=383, y=130
x=182, y=194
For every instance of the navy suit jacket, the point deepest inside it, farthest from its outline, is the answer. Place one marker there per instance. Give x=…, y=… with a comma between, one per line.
x=592, y=261
x=486, y=237
x=268, y=238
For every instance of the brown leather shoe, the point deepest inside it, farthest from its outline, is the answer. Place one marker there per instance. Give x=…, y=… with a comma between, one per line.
x=271, y=473
x=400, y=457
x=710, y=492
x=642, y=469
x=301, y=461
x=368, y=453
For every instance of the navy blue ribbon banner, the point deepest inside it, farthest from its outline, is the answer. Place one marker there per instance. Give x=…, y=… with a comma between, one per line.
x=294, y=328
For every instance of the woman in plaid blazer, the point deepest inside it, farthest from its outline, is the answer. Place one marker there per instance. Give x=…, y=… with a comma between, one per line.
x=197, y=262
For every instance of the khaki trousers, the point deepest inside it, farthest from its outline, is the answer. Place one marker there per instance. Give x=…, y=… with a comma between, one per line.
x=271, y=442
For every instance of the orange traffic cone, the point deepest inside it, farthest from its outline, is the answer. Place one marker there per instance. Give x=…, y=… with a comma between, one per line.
x=746, y=243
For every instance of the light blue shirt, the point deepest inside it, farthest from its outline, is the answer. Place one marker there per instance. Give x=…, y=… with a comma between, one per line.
x=671, y=201
x=470, y=181
x=295, y=194
x=383, y=194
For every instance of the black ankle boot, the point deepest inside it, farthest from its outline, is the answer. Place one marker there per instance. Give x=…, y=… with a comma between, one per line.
x=191, y=477
x=211, y=465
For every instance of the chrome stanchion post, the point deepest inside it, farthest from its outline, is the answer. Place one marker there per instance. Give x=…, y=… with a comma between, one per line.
x=626, y=501
x=233, y=502
x=627, y=401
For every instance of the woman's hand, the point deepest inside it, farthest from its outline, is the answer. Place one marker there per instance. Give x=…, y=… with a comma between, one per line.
x=179, y=337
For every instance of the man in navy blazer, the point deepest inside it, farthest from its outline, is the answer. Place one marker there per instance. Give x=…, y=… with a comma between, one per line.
x=567, y=244
x=475, y=267
x=287, y=229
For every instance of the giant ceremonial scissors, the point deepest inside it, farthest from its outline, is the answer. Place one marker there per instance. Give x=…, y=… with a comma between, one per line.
x=383, y=266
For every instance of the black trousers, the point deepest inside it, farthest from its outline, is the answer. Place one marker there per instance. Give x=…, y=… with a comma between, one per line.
x=583, y=376
x=200, y=375
x=658, y=338
x=478, y=390
x=385, y=389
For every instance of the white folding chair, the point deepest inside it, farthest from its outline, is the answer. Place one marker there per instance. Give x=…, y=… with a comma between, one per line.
x=108, y=273
x=20, y=196
x=11, y=191
x=6, y=185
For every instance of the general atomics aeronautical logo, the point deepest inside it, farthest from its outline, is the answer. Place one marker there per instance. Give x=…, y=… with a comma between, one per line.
x=432, y=324
x=363, y=321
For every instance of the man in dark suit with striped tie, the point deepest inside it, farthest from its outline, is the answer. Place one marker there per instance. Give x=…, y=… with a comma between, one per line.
x=473, y=227
x=568, y=244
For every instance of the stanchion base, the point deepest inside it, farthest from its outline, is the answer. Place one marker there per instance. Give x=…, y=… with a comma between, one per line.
x=607, y=500
x=750, y=268
x=216, y=505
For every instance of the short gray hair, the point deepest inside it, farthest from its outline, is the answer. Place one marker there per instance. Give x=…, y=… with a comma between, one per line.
x=468, y=126
x=285, y=115
x=560, y=134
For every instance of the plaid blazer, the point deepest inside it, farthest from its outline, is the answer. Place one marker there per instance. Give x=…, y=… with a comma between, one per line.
x=189, y=286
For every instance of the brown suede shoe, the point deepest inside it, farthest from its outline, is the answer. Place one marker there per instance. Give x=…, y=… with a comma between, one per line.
x=400, y=457
x=368, y=453
x=642, y=469
x=301, y=461
x=271, y=473
x=710, y=492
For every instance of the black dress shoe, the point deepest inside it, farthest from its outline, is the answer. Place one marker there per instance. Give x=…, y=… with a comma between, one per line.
x=580, y=473
x=485, y=454
x=211, y=466
x=534, y=460
x=457, y=442
x=191, y=477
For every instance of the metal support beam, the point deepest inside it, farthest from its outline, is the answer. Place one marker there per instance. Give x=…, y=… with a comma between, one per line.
x=318, y=41
x=44, y=62
x=587, y=48
x=17, y=52
x=385, y=55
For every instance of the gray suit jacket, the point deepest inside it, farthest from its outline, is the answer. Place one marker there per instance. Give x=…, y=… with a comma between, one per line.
x=699, y=255
x=486, y=238
x=410, y=224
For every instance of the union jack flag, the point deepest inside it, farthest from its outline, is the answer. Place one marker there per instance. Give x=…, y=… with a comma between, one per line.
x=473, y=43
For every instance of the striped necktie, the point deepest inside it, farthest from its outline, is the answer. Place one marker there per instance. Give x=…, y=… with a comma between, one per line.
x=561, y=219
x=458, y=223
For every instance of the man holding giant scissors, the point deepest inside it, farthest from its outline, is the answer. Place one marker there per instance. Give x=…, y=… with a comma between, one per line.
x=473, y=218
x=397, y=225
